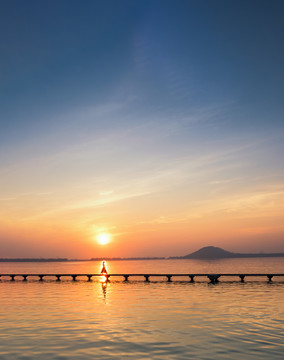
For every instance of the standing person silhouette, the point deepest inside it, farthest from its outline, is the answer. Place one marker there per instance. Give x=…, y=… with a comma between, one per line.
x=104, y=270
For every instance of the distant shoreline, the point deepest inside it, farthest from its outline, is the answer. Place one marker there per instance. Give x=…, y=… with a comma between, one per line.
x=213, y=252
x=77, y=260
x=235, y=256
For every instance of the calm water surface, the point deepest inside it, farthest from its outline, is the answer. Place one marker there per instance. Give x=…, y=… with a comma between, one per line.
x=139, y=320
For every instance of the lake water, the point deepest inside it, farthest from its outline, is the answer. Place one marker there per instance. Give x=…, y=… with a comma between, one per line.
x=143, y=320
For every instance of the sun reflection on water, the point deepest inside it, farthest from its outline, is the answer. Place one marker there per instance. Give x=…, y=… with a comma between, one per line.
x=104, y=291
x=103, y=279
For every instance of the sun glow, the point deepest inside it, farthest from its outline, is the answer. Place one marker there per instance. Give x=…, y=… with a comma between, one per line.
x=103, y=238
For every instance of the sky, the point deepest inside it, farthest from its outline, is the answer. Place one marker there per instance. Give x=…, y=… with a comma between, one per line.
x=155, y=125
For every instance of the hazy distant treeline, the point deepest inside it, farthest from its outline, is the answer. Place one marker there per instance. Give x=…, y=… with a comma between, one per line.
x=33, y=260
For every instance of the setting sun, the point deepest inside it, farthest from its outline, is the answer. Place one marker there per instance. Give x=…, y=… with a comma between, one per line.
x=103, y=238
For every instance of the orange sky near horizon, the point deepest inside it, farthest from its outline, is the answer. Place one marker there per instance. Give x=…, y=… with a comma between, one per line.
x=161, y=222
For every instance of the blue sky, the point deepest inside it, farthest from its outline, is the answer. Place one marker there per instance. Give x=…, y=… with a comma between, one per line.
x=104, y=102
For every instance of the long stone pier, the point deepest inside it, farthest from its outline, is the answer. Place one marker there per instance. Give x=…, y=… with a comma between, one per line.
x=213, y=278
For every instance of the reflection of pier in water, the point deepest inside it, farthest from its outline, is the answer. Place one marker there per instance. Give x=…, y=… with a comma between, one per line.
x=213, y=278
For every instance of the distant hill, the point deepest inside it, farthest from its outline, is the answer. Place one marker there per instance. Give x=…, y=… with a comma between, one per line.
x=210, y=252
x=213, y=252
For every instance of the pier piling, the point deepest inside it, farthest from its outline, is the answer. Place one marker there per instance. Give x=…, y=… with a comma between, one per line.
x=213, y=278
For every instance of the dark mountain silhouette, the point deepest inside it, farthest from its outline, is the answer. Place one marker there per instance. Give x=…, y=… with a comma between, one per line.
x=213, y=252
x=210, y=252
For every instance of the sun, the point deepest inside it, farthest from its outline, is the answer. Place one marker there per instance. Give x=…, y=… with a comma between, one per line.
x=103, y=238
